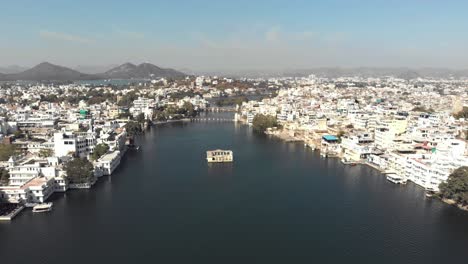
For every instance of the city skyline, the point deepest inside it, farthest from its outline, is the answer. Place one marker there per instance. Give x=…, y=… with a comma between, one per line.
x=207, y=35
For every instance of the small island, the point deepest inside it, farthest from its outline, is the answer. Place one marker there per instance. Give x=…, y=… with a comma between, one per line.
x=219, y=156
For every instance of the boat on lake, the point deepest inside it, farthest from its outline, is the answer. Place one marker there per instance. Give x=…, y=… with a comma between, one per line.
x=429, y=193
x=394, y=178
x=346, y=162
x=42, y=208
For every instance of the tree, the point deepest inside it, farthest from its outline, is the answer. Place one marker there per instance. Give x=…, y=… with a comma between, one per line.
x=45, y=153
x=456, y=186
x=140, y=118
x=128, y=99
x=83, y=128
x=18, y=134
x=6, y=151
x=98, y=131
x=462, y=114
x=4, y=176
x=189, y=109
x=99, y=150
x=125, y=115
x=261, y=122
x=79, y=170
x=340, y=134
x=423, y=109
x=133, y=128
x=232, y=101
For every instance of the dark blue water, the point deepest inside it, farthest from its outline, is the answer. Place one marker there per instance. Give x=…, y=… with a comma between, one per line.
x=277, y=203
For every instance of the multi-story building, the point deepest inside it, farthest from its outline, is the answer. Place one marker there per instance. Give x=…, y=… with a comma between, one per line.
x=79, y=144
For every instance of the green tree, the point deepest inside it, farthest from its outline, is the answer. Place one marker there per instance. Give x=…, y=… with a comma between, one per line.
x=125, y=115
x=189, y=109
x=45, y=153
x=18, y=134
x=79, y=170
x=4, y=176
x=232, y=101
x=133, y=128
x=128, y=99
x=98, y=131
x=261, y=122
x=456, y=186
x=99, y=150
x=160, y=115
x=140, y=118
x=6, y=151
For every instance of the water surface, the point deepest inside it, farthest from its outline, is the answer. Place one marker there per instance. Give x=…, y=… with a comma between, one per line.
x=277, y=203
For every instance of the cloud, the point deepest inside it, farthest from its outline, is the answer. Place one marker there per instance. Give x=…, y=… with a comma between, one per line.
x=64, y=36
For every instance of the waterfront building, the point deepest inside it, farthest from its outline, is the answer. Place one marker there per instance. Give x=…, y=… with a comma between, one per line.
x=219, y=156
x=109, y=162
x=36, y=190
x=330, y=144
x=357, y=146
x=143, y=106
x=79, y=144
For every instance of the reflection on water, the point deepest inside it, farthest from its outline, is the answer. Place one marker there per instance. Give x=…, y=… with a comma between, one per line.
x=220, y=169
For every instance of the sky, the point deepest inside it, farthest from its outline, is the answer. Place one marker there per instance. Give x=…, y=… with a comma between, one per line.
x=236, y=34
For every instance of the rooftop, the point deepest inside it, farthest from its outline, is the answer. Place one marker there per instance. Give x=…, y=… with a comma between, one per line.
x=330, y=138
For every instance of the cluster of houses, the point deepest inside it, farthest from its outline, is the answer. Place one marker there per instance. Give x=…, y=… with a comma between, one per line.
x=37, y=170
x=47, y=135
x=405, y=130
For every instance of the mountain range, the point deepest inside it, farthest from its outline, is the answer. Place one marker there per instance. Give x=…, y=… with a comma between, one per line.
x=144, y=70
x=50, y=72
x=334, y=72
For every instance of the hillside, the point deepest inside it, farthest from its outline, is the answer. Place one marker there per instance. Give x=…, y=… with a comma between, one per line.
x=47, y=71
x=142, y=71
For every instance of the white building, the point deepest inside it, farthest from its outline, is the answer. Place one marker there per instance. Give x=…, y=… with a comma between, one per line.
x=79, y=144
x=109, y=162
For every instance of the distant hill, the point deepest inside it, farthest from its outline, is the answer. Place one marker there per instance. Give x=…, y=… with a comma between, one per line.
x=93, y=69
x=142, y=71
x=50, y=72
x=12, y=69
x=334, y=72
x=47, y=71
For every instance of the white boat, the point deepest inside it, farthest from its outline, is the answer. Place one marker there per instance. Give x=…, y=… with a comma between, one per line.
x=430, y=192
x=346, y=162
x=41, y=208
x=391, y=177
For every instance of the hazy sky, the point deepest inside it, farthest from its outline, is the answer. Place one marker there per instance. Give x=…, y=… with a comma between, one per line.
x=236, y=34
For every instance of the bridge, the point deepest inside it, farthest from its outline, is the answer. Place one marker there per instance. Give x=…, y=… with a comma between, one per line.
x=212, y=119
x=220, y=109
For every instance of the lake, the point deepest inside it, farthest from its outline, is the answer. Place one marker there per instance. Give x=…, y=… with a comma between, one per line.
x=277, y=203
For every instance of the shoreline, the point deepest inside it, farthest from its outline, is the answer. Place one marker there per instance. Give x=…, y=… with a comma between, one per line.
x=453, y=203
x=282, y=135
